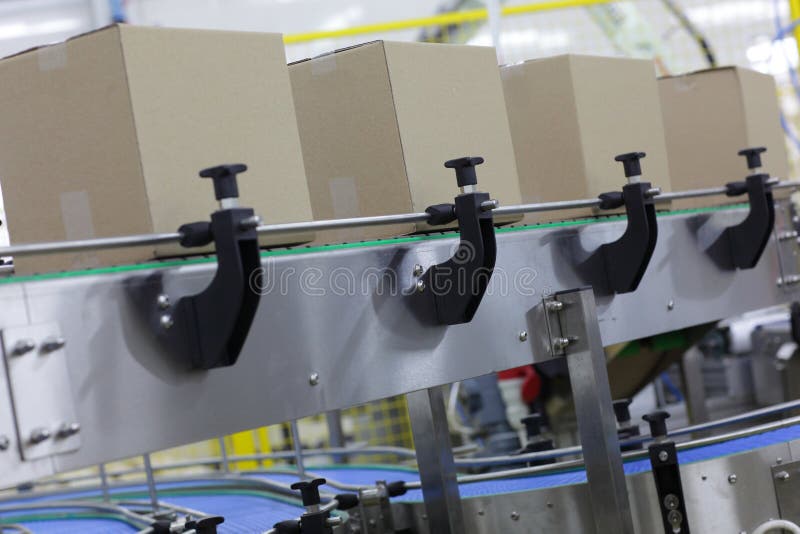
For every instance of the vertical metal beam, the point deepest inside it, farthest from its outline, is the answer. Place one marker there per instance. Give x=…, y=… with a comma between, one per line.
x=692, y=371
x=298, y=450
x=101, y=468
x=335, y=433
x=437, y=470
x=591, y=393
x=223, y=454
x=151, y=482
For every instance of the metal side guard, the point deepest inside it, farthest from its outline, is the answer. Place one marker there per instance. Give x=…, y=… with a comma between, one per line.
x=626, y=259
x=746, y=241
x=207, y=330
x=458, y=285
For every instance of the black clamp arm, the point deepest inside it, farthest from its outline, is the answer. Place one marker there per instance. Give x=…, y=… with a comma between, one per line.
x=626, y=259
x=667, y=475
x=315, y=519
x=747, y=240
x=794, y=321
x=626, y=429
x=208, y=329
x=458, y=285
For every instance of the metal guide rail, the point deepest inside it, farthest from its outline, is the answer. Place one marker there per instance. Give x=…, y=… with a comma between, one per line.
x=108, y=365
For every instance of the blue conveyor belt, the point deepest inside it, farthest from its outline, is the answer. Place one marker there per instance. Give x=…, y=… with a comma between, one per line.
x=246, y=512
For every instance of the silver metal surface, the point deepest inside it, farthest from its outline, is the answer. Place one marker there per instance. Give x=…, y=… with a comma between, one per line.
x=298, y=449
x=348, y=314
x=694, y=388
x=151, y=482
x=41, y=392
x=437, y=472
x=786, y=478
x=591, y=393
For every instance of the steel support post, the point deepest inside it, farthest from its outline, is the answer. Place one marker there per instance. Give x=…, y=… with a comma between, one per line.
x=437, y=471
x=574, y=325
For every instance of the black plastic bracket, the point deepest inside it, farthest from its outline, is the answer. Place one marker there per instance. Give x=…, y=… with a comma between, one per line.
x=314, y=520
x=208, y=329
x=747, y=240
x=667, y=476
x=458, y=285
x=625, y=428
x=626, y=259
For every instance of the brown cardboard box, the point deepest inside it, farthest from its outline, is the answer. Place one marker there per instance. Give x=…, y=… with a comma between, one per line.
x=712, y=114
x=104, y=134
x=378, y=120
x=570, y=115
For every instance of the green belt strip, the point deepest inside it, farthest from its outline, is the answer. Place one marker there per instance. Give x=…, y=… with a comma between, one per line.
x=195, y=260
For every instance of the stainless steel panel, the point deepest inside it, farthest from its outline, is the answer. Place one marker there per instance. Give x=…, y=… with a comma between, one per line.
x=786, y=478
x=40, y=390
x=350, y=316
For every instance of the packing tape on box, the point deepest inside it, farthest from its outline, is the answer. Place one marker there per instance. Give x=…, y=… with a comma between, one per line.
x=52, y=57
x=324, y=64
x=344, y=197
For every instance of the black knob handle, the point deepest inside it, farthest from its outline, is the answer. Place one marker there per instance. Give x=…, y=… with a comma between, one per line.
x=465, y=169
x=533, y=425
x=224, y=177
x=309, y=490
x=753, y=156
x=621, y=410
x=658, y=423
x=396, y=488
x=630, y=162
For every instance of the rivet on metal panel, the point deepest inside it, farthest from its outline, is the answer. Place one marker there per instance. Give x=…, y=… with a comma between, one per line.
x=515, y=515
x=523, y=335
x=23, y=346
x=670, y=305
x=663, y=456
x=418, y=270
x=554, y=305
x=778, y=460
x=5, y=443
x=53, y=343
x=420, y=286
x=671, y=501
x=39, y=435
x=481, y=512
x=732, y=478
x=313, y=378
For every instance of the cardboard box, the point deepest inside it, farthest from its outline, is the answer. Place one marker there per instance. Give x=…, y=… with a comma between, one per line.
x=570, y=115
x=712, y=114
x=104, y=134
x=377, y=122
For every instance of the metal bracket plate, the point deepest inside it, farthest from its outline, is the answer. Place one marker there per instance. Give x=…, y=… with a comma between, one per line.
x=786, y=479
x=40, y=389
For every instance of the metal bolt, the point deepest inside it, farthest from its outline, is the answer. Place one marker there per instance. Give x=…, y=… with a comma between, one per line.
x=53, y=343
x=420, y=286
x=5, y=443
x=523, y=335
x=778, y=460
x=334, y=521
x=670, y=305
x=250, y=222
x=313, y=378
x=787, y=235
x=561, y=343
x=23, y=346
x=554, y=305
x=732, y=478
x=675, y=518
x=515, y=515
x=166, y=321
x=663, y=456
x=418, y=270
x=39, y=435
x=782, y=476
x=68, y=429
x=671, y=501
x=163, y=301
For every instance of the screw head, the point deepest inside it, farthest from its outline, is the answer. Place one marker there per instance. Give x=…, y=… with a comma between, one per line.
x=163, y=301
x=663, y=456
x=420, y=286
x=39, y=435
x=561, y=343
x=670, y=305
x=166, y=321
x=5, y=443
x=23, y=346
x=53, y=343
x=418, y=270
x=523, y=335
x=782, y=476
x=732, y=478
x=313, y=378
x=675, y=518
x=671, y=501
x=554, y=305
x=68, y=429
x=515, y=515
